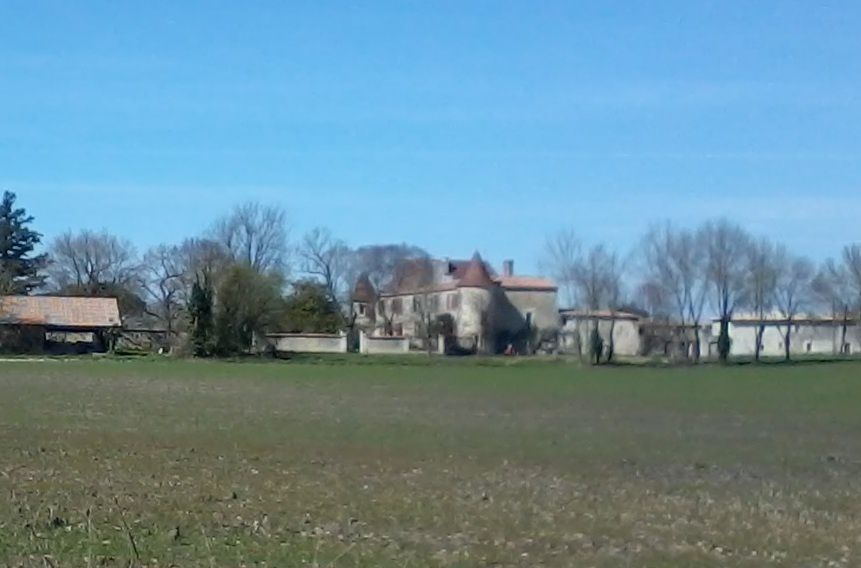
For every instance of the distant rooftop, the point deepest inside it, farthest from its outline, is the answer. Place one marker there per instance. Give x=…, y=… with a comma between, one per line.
x=425, y=275
x=598, y=314
x=776, y=318
x=59, y=311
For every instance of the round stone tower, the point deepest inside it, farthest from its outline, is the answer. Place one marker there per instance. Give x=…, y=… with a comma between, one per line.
x=364, y=299
x=475, y=318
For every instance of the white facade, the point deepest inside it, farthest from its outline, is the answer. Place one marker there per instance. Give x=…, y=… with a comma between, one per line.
x=383, y=345
x=308, y=342
x=623, y=328
x=807, y=336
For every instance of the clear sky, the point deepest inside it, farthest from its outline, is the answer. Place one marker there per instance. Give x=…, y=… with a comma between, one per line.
x=456, y=125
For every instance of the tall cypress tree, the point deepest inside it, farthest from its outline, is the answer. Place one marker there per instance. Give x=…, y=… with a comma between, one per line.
x=19, y=269
x=200, y=312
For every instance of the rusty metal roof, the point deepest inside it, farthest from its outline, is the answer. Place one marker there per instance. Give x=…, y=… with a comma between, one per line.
x=59, y=311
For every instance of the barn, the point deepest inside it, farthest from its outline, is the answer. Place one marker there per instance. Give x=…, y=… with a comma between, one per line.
x=58, y=324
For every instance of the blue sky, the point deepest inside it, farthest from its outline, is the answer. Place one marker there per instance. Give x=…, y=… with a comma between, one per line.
x=452, y=125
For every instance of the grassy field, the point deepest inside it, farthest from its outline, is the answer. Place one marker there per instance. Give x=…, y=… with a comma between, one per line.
x=118, y=463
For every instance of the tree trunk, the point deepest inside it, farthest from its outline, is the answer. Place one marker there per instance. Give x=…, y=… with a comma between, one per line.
x=697, y=345
x=760, y=330
x=723, y=340
x=786, y=340
x=611, y=343
x=843, y=330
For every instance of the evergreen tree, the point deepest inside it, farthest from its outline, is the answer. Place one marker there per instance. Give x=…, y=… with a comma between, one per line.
x=596, y=345
x=200, y=313
x=310, y=309
x=19, y=269
x=249, y=303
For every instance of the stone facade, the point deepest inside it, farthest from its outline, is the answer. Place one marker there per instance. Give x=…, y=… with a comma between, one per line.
x=462, y=301
x=622, y=328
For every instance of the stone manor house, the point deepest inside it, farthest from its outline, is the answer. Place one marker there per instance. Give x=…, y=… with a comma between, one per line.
x=465, y=303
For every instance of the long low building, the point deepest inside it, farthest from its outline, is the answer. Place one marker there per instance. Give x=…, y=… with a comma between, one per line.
x=808, y=335
x=57, y=323
x=621, y=328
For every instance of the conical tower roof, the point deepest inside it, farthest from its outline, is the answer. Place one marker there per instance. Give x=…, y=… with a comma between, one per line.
x=475, y=274
x=364, y=290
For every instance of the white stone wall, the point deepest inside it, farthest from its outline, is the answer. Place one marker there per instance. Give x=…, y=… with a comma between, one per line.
x=805, y=339
x=383, y=345
x=308, y=343
x=626, y=335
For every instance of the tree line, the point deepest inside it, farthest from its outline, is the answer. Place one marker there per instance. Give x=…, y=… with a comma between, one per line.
x=718, y=269
x=244, y=275
x=241, y=277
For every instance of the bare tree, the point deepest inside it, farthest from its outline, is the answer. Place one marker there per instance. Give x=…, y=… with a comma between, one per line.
x=793, y=290
x=162, y=280
x=724, y=245
x=762, y=272
x=852, y=265
x=383, y=264
x=597, y=280
x=561, y=254
x=831, y=286
x=203, y=261
x=425, y=309
x=653, y=299
x=88, y=260
x=425, y=304
x=675, y=275
x=256, y=235
x=326, y=258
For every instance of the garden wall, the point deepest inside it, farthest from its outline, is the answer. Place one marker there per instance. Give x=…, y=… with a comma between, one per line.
x=308, y=342
x=391, y=345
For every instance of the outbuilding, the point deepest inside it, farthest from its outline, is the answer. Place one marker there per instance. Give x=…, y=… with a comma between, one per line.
x=58, y=324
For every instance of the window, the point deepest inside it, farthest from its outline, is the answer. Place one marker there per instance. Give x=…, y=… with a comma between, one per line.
x=452, y=301
x=529, y=320
x=417, y=304
x=397, y=306
x=809, y=346
x=361, y=309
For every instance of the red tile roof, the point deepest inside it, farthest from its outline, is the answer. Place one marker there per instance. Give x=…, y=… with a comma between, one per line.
x=475, y=275
x=59, y=311
x=460, y=273
x=525, y=283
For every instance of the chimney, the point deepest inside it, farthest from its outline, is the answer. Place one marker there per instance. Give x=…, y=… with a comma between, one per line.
x=508, y=268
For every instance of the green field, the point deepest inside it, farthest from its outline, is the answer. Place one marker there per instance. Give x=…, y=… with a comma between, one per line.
x=161, y=463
